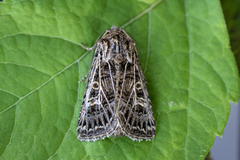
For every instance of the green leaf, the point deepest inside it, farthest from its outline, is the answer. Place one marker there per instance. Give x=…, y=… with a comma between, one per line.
x=185, y=55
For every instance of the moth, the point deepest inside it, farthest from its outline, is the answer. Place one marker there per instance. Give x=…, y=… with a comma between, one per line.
x=116, y=100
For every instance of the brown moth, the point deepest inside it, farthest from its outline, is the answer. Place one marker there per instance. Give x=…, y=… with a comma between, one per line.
x=116, y=100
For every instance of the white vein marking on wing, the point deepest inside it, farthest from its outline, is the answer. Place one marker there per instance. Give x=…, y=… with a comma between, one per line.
x=99, y=91
x=111, y=77
x=105, y=113
x=81, y=125
x=124, y=75
x=128, y=102
x=101, y=116
x=100, y=87
x=107, y=101
x=91, y=82
x=133, y=90
x=133, y=118
x=133, y=105
x=89, y=89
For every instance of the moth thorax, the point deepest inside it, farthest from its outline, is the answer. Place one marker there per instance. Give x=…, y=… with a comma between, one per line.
x=106, y=53
x=121, y=57
x=117, y=57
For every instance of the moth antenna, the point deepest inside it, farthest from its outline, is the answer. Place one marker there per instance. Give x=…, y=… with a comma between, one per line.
x=84, y=78
x=88, y=48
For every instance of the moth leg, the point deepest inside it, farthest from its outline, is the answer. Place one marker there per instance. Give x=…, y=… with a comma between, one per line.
x=84, y=77
x=88, y=48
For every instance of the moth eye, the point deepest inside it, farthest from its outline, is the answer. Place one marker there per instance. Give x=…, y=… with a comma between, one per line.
x=95, y=85
x=138, y=86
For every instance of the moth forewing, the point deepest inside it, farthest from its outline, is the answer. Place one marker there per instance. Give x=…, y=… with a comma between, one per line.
x=116, y=100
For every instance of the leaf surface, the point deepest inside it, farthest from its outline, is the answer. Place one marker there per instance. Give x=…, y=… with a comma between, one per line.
x=184, y=52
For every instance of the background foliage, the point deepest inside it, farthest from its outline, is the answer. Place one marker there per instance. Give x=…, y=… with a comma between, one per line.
x=231, y=10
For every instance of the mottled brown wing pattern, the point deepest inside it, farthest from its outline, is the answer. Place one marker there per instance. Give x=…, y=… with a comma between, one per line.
x=135, y=110
x=116, y=100
x=97, y=117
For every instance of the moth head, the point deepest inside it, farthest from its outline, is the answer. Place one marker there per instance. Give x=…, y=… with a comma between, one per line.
x=111, y=32
x=117, y=45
